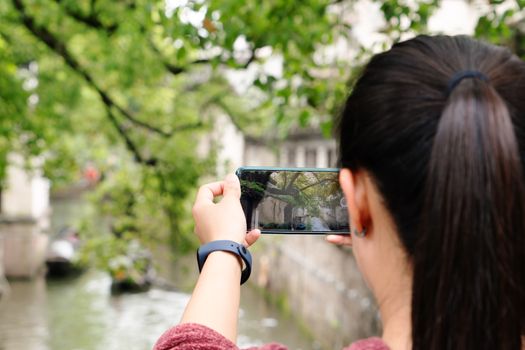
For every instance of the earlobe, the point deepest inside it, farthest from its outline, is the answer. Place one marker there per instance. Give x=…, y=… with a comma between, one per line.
x=354, y=198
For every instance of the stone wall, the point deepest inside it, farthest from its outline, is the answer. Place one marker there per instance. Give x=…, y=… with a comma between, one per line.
x=26, y=194
x=24, y=247
x=24, y=220
x=319, y=284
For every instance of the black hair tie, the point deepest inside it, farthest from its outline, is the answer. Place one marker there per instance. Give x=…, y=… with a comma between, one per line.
x=459, y=76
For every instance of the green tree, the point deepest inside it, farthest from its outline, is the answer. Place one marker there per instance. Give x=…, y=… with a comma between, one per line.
x=130, y=85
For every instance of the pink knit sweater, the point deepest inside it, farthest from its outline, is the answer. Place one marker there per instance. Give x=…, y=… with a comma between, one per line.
x=192, y=336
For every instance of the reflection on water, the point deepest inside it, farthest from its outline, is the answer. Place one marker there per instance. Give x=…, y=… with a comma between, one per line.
x=81, y=314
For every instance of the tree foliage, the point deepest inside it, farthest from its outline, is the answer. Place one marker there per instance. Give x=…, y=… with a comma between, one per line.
x=130, y=86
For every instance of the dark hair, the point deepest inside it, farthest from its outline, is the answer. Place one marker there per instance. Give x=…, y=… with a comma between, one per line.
x=450, y=168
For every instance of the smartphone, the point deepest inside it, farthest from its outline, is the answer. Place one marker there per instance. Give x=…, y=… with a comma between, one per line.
x=293, y=200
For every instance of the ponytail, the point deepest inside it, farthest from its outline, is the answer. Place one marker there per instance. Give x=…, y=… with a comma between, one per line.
x=473, y=224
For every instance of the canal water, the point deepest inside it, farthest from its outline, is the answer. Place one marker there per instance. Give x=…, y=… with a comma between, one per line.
x=81, y=314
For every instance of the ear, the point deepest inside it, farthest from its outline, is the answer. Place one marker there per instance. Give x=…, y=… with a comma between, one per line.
x=354, y=189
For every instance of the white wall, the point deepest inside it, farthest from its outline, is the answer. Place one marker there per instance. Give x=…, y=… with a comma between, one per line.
x=27, y=192
x=259, y=155
x=299, y=148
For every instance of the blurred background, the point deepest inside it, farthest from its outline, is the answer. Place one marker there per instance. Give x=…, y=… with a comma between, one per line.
x=113, y=112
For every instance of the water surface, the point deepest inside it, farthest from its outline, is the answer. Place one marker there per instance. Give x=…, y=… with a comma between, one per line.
x=81, y=314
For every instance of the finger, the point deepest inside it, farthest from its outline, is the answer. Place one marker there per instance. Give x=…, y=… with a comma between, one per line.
x=252, y=237
x=232, y=187
x=209, y=191
x=339, y=239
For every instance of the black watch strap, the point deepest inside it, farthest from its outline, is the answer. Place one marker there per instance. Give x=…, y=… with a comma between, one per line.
x=227, y=246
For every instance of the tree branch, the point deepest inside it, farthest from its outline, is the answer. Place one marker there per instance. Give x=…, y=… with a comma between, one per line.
x=94, y=22
x=190, y=126
x=90, y=20
x=44, y=35
x=130, y=145
x=294, y=177
x=173, y=69
x=319, y=182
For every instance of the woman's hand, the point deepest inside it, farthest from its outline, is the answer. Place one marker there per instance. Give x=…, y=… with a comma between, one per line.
x=223, y=220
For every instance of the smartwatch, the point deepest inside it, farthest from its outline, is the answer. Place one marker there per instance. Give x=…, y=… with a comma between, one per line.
x=226, y=246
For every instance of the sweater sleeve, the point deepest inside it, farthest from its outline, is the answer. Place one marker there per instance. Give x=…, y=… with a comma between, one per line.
x=193, y=336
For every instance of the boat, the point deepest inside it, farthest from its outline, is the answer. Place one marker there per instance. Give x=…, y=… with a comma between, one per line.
x=62, y=254
x=132, y=272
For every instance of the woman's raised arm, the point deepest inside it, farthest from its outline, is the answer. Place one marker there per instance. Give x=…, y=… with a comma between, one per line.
x=215, y=299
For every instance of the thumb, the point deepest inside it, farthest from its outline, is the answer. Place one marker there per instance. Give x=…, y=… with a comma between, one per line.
x=232, y=186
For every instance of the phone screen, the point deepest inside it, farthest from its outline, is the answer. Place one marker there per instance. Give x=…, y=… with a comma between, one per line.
x=293, y=200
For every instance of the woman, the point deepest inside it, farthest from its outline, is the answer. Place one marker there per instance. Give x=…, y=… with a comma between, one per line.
x=432, y=150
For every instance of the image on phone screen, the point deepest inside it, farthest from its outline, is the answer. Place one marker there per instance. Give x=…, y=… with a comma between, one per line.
x=293, y=200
